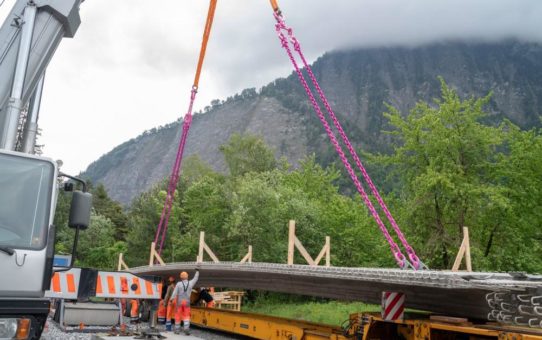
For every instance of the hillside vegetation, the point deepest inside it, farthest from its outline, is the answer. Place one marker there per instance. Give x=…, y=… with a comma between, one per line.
x=448, y=166
x=358, y=83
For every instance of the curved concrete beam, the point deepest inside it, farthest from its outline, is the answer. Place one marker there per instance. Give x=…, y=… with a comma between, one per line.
x=450, y=293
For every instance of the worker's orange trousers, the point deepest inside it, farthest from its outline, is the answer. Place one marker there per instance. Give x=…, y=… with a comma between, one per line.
x=182, y=312
x=134, y=311
x=162, y=311
x=170, y=310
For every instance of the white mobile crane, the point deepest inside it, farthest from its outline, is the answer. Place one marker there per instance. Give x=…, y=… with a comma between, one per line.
x=29, y=184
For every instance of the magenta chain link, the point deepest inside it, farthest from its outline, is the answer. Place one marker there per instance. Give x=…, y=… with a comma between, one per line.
x=186, y=127
x=399, y=257
x=174, y=177
x=297, y=47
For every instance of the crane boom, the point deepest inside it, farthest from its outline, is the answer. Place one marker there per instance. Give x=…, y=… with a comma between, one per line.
x=29, y=187
x=28, y=40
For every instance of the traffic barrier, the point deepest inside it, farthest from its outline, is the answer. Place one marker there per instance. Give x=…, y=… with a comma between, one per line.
x=65, y=285
x=126, y=285
x=393, y=306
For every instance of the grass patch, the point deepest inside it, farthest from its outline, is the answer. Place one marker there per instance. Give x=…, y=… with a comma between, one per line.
x=331, y=312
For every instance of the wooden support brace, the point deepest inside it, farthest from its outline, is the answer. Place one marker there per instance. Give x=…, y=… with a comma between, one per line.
x=121, y=264
x=325, y=251
x=199, y=259
x=464, y=251
x=154, y=255
x=328, y=252
x=293, y=242
x=303, y=252
x=210, y=253
x=248, y=256
x=203, y=247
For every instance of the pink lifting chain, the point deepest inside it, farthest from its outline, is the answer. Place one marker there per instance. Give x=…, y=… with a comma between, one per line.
x=174, y=177
x=415, y=262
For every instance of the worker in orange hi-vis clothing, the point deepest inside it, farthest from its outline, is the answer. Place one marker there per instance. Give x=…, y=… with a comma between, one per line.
x=134, y=311
x=161, y=313
x=181, y=295
x=170, y=305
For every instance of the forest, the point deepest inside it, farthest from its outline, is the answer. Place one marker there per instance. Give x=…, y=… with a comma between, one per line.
x=449, y=165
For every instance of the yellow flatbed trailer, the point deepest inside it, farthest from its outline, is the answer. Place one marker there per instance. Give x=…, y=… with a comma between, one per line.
x=361, y=326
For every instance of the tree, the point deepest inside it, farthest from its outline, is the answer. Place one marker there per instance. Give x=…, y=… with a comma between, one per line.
x=247, y=153
x=97, y=247
x=514, y=240
x=143, y=219
x=450, y=167
x=105, y=206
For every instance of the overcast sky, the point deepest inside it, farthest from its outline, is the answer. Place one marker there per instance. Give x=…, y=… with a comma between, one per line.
x=131, y=64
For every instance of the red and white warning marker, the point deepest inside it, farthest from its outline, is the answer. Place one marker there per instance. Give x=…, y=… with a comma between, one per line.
x=393, y=306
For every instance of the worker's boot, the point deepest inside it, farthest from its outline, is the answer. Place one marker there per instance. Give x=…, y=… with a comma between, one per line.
x=177, y=329
x=187, y=331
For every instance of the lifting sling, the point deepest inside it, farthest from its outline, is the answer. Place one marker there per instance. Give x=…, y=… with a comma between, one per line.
x=161, y=230
x=287, y=38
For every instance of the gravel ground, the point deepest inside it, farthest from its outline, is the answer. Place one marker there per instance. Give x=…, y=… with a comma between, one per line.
x=53, y=332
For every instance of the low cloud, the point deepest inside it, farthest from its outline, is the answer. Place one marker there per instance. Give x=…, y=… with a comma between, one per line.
x=131, y=64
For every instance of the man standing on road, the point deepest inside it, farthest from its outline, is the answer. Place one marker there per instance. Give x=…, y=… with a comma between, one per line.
x=181, y=294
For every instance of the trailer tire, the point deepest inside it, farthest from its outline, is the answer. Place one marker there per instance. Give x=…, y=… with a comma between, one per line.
x=145, y=311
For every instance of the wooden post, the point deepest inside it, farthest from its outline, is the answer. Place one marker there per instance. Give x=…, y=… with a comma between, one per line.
x=203, y=247
x=328, y=252
x=291, y=242
x=248, y=256
x=467, y=248
x=325, y=251
x=464, y=251
x=154, y=255
x=121, y=264
x=201, y=243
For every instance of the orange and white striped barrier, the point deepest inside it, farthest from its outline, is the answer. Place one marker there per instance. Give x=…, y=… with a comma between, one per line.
x=65, y=285
x=126, y=285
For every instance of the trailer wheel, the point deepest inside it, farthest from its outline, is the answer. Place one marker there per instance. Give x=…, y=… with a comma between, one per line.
x=145, y=311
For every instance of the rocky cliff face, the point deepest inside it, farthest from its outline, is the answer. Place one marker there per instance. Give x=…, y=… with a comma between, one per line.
x=358, y=83
x=141, y=162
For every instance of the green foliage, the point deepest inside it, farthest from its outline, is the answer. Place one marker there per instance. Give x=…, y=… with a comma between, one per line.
x=143, y=220
x=97, y=247
x=247, y=154
x=447, y=168
x=252, y=206
x=100, y=244
x=455, y=171
x=105, y=206
x=323, y=312
x=515, y=238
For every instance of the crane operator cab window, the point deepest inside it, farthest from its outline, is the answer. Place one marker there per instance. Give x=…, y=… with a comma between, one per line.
x=26, y=186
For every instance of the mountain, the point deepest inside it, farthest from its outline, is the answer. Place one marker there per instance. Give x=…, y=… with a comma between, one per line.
x=358, y=83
